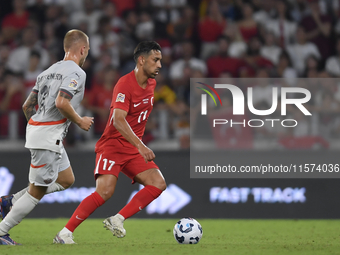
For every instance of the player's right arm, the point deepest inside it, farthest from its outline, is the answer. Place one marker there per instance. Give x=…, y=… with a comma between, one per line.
x=120, y=123
x=29, y=105
x=63, y=104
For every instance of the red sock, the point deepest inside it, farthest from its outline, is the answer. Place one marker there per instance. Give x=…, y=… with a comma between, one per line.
x=143, y=197
x=84, y=210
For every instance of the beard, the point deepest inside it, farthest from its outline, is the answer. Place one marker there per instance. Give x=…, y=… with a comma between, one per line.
x=81, y=62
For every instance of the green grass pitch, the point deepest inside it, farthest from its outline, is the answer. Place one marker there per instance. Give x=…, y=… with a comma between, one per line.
x=249, y=237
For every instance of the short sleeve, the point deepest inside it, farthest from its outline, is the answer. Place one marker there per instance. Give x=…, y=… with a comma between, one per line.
x=35, y=89
x=72, y=84
x=121, y=97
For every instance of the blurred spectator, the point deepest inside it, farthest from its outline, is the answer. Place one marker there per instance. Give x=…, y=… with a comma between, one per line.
x=105, y=41
x=32, y=72
x=11, y=99
x=167, y=10
x=270, y=50
x=15, y=21
x=89, y=14
x=38, y=11
x=19, y=58
x=98, y=99
x=127, y=36
x=253, y=56
x=281, y=26
x=211, y=28
x=237, y=46
x=299, y=9
x=333, y=63
x=124, y=5
x=4, y=54
x=301, y=50
x=111, y=12
x=51, y=43
x=311, y=63
x=284, y=69
x=264, y=11
x=222, y=62
x=183, y=29
x=318, y=29
x=145, y=27
x=188, y=59
x=247, y=26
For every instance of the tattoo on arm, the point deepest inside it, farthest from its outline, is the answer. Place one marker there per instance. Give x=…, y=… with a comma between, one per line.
x=29, y=105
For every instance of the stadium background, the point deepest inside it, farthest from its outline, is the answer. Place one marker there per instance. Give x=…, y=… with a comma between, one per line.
x=217, y=39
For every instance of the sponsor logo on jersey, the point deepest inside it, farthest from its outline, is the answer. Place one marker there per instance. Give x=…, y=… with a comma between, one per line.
x=120, y=97
x=73, y=83
x=135, y=105
x=48, y=181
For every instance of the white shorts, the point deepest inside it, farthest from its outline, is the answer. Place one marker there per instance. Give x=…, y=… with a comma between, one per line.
x=45, y=166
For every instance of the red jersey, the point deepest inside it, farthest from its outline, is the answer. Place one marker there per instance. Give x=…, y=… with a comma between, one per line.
x=138, y=102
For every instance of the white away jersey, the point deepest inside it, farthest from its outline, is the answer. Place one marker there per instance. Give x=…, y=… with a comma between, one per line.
x=48, y=127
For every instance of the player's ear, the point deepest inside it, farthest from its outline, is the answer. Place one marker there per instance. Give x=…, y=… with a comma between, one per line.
x=141, y=60
x=82, y=50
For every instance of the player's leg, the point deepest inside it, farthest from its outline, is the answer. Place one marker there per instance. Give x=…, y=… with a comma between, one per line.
x=65, y=180
x=105, y=187
x=154, y=185
x=43, y=172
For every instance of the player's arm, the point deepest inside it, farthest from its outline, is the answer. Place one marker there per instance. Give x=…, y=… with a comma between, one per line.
x=63, y=104
x=29, y=106
x=120, y=123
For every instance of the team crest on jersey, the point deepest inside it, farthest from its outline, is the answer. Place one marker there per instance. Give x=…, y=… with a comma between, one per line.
x=120, y=97
x=73, y=84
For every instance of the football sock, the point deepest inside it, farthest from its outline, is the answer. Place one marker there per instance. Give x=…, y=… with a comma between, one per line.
x=143, y=197
x=18, y=195
x=84, y=210
x=54, y=187
x=24, y=206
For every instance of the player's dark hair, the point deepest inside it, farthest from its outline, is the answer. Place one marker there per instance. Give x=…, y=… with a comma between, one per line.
x=144, y=48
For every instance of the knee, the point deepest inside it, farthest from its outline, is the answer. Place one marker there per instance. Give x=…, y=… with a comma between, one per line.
x=105, y=192
x=67, y=183
x=161, y=184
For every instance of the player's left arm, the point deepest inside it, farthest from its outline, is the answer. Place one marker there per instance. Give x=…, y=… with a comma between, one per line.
x=29, y=105
x=123, y=127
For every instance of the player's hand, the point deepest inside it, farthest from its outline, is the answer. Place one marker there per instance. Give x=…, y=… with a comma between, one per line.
x=147, y=154
x=86, y=123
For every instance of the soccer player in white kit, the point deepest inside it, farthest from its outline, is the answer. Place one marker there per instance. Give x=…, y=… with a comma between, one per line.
x=58, y=92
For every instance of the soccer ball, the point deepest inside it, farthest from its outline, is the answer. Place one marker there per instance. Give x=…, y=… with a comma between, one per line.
x=188, y=231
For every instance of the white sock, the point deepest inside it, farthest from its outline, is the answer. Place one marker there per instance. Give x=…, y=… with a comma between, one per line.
x=65, y=231
x=54, y=187
x=22, y=207
x=18, y=195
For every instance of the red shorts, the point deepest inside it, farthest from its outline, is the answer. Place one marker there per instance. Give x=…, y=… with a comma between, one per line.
x=114, y=163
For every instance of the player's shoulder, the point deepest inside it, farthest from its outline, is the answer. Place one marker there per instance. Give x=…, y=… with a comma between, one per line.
x=70, y=67
x=125, y=80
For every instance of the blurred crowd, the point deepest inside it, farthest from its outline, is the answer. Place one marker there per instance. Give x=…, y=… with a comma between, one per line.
x=199, y=38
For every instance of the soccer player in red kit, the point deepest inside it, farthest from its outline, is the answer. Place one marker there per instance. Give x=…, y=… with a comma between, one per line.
x=120, y=148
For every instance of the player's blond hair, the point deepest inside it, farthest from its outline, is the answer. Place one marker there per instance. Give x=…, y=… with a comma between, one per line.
x=74, y=36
